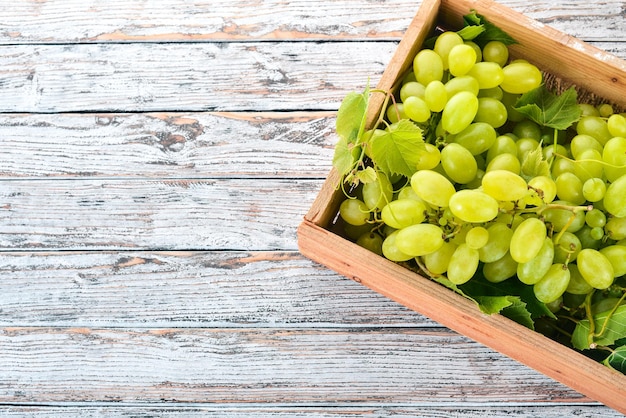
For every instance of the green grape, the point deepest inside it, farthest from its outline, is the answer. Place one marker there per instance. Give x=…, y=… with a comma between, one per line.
x=407, y=192
x=396, y=112
x=429, y=158
x=496, y=51
x=527, y=129
x=560, y=218
x=581, y=143
x=615, y=228
x=550, y=151
x=493, y=93
x=477, y=237
x=545, y=189
x=354, y=212
x=403, y=212
x=524, y=146
x=436, y=96
x=594, y=189
x=491, y=111
x=391, y=250
x=378, y=193
x=561, y=165
x=498, y=245
x=504, y=185
x=463, y=264
x=509, y=100
x=479, y=52
x=508, y=162
x=616, y=254
x=567, y=246
x=461, y=59
x=463, y=83
x=614, y=155
x=595, y=218
x=432, y=187
x=616, y=124
x=553, y=284
x=477, y=138
x=353, y=232
x=371, y=241
x=488, y=74
x=594, y=126
x=412, y=88
x=420, y=239
x=459, y=112
x=570, y=188
x=533, y=270
x=577, y=285
x=615, y=198
x=428, y=66
x=458, y=163
x=501, y=269
x=416, y=109
x=444, y=44
x=473, y=206
x=595, y=268
x=587, y=109
x=590, y=237
x=520, y=77
x=589, y=165
x=605, y=110
x=503, y=144
x=527, y=240
x=437, y=262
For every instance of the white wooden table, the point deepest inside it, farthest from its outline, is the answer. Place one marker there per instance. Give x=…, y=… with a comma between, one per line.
x=156, y=159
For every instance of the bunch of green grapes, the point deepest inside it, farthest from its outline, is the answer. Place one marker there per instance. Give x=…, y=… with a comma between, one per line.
x=470, y=208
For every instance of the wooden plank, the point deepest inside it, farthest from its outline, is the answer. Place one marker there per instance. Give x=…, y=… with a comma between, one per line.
x=164, y=214
x=367, y=410
x=186, y=77
x=58, y=21
x=222, y=366
x=187, y=289
x=184, y=145
x=265, y=76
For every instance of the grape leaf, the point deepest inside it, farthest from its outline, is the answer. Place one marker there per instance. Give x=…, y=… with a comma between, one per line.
x=615, y=329
x=617, y=359
x=548, y=109
x=491, y=32
x=468, y=33
x=345, y=156
x=368, y=175
x=349, y=125
x=534, y=164
x=397, y=151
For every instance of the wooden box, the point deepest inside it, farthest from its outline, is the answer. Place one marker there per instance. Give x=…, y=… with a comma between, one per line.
x=555, y=53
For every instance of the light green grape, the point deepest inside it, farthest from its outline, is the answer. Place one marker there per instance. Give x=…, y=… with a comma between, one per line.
x=545, y=189
x=473, y=206
x=587, y=109
x=407, y=192
x=524, y=146
x=391, y=251
x=354, y=212
x=616, y=254
x=589, y=165
x=503, y=144
x=567, y=246
x=403, y=212
x=594, y=126
x=427, y=66
x=436, y=96
x=553, y=284
x=444, y=44
x=615, y=198
x=463, y=83
x=461, y=59
x=533, y=270
x=420, y=239
x=463, y=264
x=520, y=77
x=437, y=262
x=527, y=240
x=595, y=268
x=416, y=109
x=614, y=155
x=429, y=157
x=371, y=241
x=412, y=88
x=595, y=218
x=498, y=245
x=459, y=112
x=396, y=112
x=504, y=185
x=561, y=165
x=496, y=51
x=616, y=228
x=479, y=52
x=477, y=137
x=560, y=218
x=501, y=269
x=577, y=285
x=492, y=93
x=477, y=237
x=570, y=188
x=616, y=124
x=605, y=110
x=581, y=143
x=594, y=189
x=432, y=187
x=458, y=163
x=527, y=129
x=590, y=237
x=508, y=162
x=488, y=74
x=378, y=193
x=491, y=111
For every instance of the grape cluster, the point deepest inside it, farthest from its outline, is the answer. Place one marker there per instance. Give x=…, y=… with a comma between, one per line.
x=493, y=192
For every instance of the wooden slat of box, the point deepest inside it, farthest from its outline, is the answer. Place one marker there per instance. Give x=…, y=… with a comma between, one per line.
x=558, y=54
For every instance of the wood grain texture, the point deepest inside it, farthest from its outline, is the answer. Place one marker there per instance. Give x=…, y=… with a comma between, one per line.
x=72, y=21
x=262, y=365
x=187, y=289
x=172, y=145
x=153, y=214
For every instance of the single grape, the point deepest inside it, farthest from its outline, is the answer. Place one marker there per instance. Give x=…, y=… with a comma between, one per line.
x=458, y=163
x=378, y=193
x=561, y=165
x=496, y=51
x=595, y=218
x=504, y=185
x=594, y=126
x=488, y=74
x=503, y=144
x=428, y=66
x=420, y=239
x=527, y=129
x=589, y=165
x=498, y=244
x=432, y=187
x=551, y=151
x=461, y=59
x=492, y=93
x=391, y=250
x=436, y=96
x=477, y=237
x=616, y=254
x=605, y=110
x=479, y=52
x=524, y=146
x=491, y=111
x=416, y=109
x=595, y=268
x=412, y=88
x=501, y=269
x=560, y=218
x=616, y=124
x=587, y=109
x=403, y=212
x=527, y=240
x=444, y=44
x=437, y=262
x=429, y=157
x=477, y=137
x=463, y=264
x=463, y=83
x=520, y=77
x=577, y=285
x=594, y=189
x=459, y=112
x=615, y=198
x=396, y=112
x=473, y=206
x=581, y=143
x=614, y=155
x=596, y=233
x=545, y=189
x=371, y=241
x=570, y=188
x=533, y=270
x=567, y=246
x=508, y=162
x=553, y=284
x=354, y=212
x=616, y=228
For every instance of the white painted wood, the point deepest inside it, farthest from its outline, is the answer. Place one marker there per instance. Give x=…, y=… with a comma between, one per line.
x=172, y=145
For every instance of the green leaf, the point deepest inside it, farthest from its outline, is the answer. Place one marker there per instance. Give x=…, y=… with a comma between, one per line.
x=617, y=359
x=350, y=116
x=345, y=156
x=367, y=176
x=491, y=32
x=615, y=329
x=548, y=109
x=469, y=33
x=534, y=164
x=398, y=150
x=518, y=312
